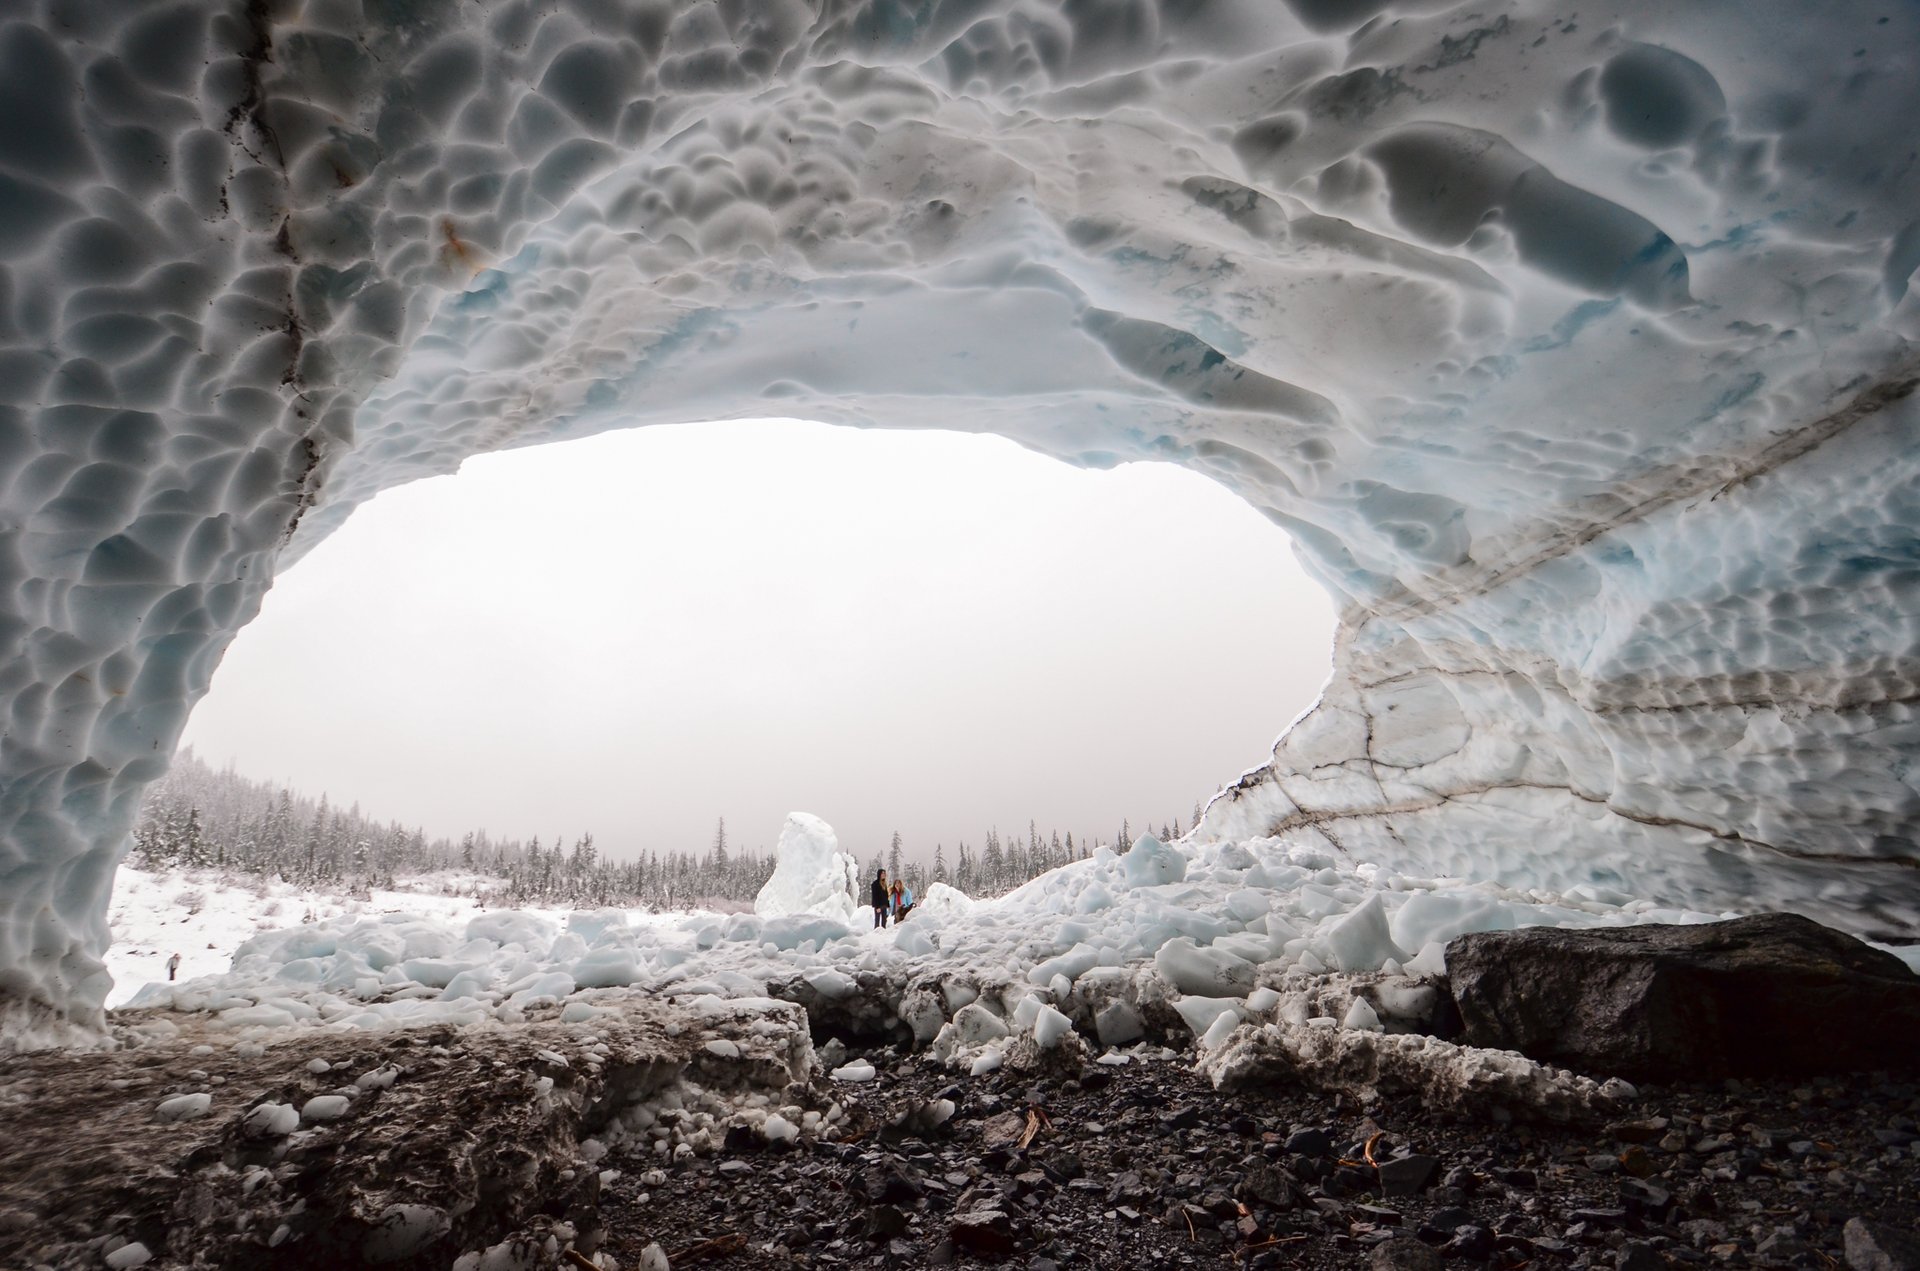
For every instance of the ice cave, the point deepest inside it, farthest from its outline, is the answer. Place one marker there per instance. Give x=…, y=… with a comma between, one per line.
x=1575, y=349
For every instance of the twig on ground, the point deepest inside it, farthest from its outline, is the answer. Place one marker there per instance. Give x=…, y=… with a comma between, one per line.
x=578, y=1259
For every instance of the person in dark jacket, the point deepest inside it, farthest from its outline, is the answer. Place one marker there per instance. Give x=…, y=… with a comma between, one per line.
x=882, y=899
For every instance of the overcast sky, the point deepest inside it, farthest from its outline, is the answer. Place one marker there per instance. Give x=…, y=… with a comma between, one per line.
x=642, y=632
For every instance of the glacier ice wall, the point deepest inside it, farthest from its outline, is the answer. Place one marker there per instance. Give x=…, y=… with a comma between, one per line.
x=1574, y=348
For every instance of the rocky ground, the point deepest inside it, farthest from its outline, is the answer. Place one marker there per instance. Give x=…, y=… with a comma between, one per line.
x=1144, y=1165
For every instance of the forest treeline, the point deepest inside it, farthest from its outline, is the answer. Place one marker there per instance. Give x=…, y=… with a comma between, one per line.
x=200, y=816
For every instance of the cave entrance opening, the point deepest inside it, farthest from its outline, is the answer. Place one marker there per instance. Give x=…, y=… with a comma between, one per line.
x=640, y=632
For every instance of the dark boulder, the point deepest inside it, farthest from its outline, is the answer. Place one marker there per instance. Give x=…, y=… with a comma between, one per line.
x=1875, y=1246
x=1771, y=995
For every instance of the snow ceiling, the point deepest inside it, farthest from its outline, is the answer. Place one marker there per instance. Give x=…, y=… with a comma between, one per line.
x=1574, y=345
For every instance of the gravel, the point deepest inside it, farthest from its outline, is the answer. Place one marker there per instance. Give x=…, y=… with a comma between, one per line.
x=1144, y=1165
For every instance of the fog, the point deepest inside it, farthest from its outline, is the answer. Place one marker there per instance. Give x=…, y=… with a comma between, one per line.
x=642, y=632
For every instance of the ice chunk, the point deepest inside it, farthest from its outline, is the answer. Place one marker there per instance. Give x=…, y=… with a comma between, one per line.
x=1199, y=1013
x=1438, y=916
x=271, y=1121
x=1117, y=1024
x=1152, y=863
x=975, y=1024
x=777, y=1129
x=1360, y=941
x=1221, y=1029
x=989, y=1061
x=859, y=1071
x=183, y=1107
x=324, y=1108
x=133, y=1254
x=1049, y=1026
x=811, y=875
x=1208, y=972
x=1361, y=1016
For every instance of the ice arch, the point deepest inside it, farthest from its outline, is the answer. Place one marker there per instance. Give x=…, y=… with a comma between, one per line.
x=1575, y=351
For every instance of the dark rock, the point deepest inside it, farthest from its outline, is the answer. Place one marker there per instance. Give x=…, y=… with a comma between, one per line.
x=1401, y=1254
x=1310, y=1143
x=1637, y=1255
x=1642, y=1197
x=983, y=1231
x=1471, y=1241
x=1449, y=1219
x=1519, y=1179
x=893, y=1185
x=1770, y=995
x=1186, y=1118
x=1269, y=1185
x=1378, y=1215
x=1407, y=1175
x=884, y=1222
x=1876, y=1246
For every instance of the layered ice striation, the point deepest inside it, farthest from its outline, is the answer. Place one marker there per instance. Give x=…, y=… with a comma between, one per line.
x=1575, y=351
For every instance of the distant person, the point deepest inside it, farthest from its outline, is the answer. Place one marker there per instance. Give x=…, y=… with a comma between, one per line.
x=173, y=966
x=902, y=900
x=882, y=900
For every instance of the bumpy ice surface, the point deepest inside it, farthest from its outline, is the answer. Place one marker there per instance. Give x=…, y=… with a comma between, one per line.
x=1575, y=350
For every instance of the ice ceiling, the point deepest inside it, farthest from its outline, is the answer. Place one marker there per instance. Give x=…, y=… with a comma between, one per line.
x=1573, y=345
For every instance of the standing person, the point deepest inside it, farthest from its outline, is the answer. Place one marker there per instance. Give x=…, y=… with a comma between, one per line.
x=173, y=965
x=903, y=900
x=880, y=899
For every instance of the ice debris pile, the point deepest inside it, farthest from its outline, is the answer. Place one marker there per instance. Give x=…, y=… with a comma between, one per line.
x=1212, y=935
x=1576, y=354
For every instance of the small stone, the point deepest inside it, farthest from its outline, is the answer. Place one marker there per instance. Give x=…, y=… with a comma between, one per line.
x=1636, y=1162
x=1642, y=1197
x=1378, y=1215
x=1876, y=1246
x=1784, y=1249
x=1407, y=1175
x=1402, y=1254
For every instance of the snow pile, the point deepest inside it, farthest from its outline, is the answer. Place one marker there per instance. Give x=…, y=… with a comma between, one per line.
x=811, y=875
x=1576, y=355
